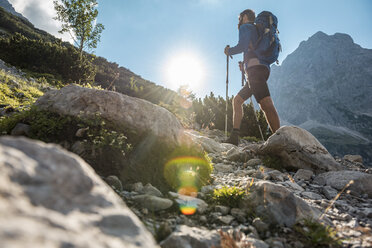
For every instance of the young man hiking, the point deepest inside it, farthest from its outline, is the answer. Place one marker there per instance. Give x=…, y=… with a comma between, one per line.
x=258, y=71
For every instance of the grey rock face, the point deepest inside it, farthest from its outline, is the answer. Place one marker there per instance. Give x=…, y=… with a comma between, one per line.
x=187, y=237
x=278, y=204
x=52, y=198
x=224, y=168
x=354, y=158
x=302, y=174
x=299, y=149
x=311, y=89
x=21, y=130
x=339, y=179
x=153, y=203
x=114, y=181
x=115, y=108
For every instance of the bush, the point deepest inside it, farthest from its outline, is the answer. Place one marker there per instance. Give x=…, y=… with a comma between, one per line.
x=228, y=196
x=315, y=234
x=40, y=56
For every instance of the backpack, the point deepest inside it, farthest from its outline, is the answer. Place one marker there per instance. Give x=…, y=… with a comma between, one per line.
x=268, y=44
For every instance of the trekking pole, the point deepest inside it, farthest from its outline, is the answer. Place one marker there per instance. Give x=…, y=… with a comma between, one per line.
x=254, y=111
x=227, y=90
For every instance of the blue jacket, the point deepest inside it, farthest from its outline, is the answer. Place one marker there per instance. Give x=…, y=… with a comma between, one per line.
x=247, y=40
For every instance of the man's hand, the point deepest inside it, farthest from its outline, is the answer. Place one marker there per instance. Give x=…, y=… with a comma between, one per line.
x=227, y=50
x=241, y=66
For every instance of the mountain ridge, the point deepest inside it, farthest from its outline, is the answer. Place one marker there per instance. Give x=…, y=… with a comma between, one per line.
x=328, y=78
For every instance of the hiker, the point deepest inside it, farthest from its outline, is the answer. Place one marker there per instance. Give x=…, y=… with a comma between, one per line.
x=257, y=69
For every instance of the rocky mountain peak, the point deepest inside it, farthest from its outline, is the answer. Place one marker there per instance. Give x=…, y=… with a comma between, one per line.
x=9, y=7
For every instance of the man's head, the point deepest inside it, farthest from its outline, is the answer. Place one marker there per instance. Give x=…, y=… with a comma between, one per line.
x=246, y=16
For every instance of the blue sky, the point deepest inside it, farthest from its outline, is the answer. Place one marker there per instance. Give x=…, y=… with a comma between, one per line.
x=145, y=35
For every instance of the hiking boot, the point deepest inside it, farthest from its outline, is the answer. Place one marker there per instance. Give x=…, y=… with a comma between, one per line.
x=234, y=137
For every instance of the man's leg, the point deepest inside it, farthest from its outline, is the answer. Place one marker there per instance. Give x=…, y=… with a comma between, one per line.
x=272, y=118
x=237, y=119
x=237, y=111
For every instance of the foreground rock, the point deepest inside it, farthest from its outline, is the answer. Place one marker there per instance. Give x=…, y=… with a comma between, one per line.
x=52, y=198
x=299, y=149
x=339, y=179
x=278, y=205
x=117, y=109
x=187, y=237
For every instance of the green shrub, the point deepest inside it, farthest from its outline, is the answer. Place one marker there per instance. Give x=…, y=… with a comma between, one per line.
x=105, y=149
x=228, y=196
x=315, y=234
x=273, y=162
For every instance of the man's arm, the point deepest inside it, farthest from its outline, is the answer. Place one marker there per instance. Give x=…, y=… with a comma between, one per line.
x=243, y=44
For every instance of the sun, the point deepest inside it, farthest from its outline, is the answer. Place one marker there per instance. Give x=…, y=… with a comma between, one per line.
x=185, y=69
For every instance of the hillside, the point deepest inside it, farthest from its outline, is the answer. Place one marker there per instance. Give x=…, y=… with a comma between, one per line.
x=325, y=86
x=107, y=73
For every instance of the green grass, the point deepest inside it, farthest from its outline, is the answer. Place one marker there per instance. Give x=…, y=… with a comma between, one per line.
x=16, y=92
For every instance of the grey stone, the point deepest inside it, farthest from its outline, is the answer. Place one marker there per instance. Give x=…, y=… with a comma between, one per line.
x=339, y=179
x=311, y=195
x=184, y=200
x=153, y=203
x=302, y=174
x=52, y=198
x=151, y=190
x=277, y=204
x=239, y=214
x=208, y=144
x=222, y=209
x=254, y=162
x=188, y=237
x=254, y=243
x=224, y=168
x=207, y=189
x=115, y=108
x=276, y=175
x=329, y=192
x=260, y=225
x=137, y=187
x=114, y=181
x=21, y=129
x=298, y=148
x=227, y=219
x=354, y=158
x=294, y=186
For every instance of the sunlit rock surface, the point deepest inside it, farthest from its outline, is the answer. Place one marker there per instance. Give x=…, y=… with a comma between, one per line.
x=51, y=198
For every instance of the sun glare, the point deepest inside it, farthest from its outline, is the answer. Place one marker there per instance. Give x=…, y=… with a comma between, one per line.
x=185, y=69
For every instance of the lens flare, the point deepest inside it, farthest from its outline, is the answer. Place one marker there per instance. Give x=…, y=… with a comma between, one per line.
x=182, y=173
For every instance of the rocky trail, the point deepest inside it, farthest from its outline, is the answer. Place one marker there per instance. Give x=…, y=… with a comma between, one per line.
x=291, y=196
x=266, y=194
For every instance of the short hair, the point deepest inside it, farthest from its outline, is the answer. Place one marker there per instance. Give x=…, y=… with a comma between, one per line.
x=250, y=14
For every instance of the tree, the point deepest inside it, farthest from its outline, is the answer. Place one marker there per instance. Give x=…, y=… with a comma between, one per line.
x=78, y=18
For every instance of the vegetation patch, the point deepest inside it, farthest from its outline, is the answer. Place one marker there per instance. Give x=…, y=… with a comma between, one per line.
x=228, y=196
x=315, y=234
x=274, y=162
x=99, y=145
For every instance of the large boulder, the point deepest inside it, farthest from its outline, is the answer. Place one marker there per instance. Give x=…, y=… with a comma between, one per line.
x=187, y=237
x=51, y=198
x=339, y=179
x=277, y=204
x=115, y=108
x=297, y=148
